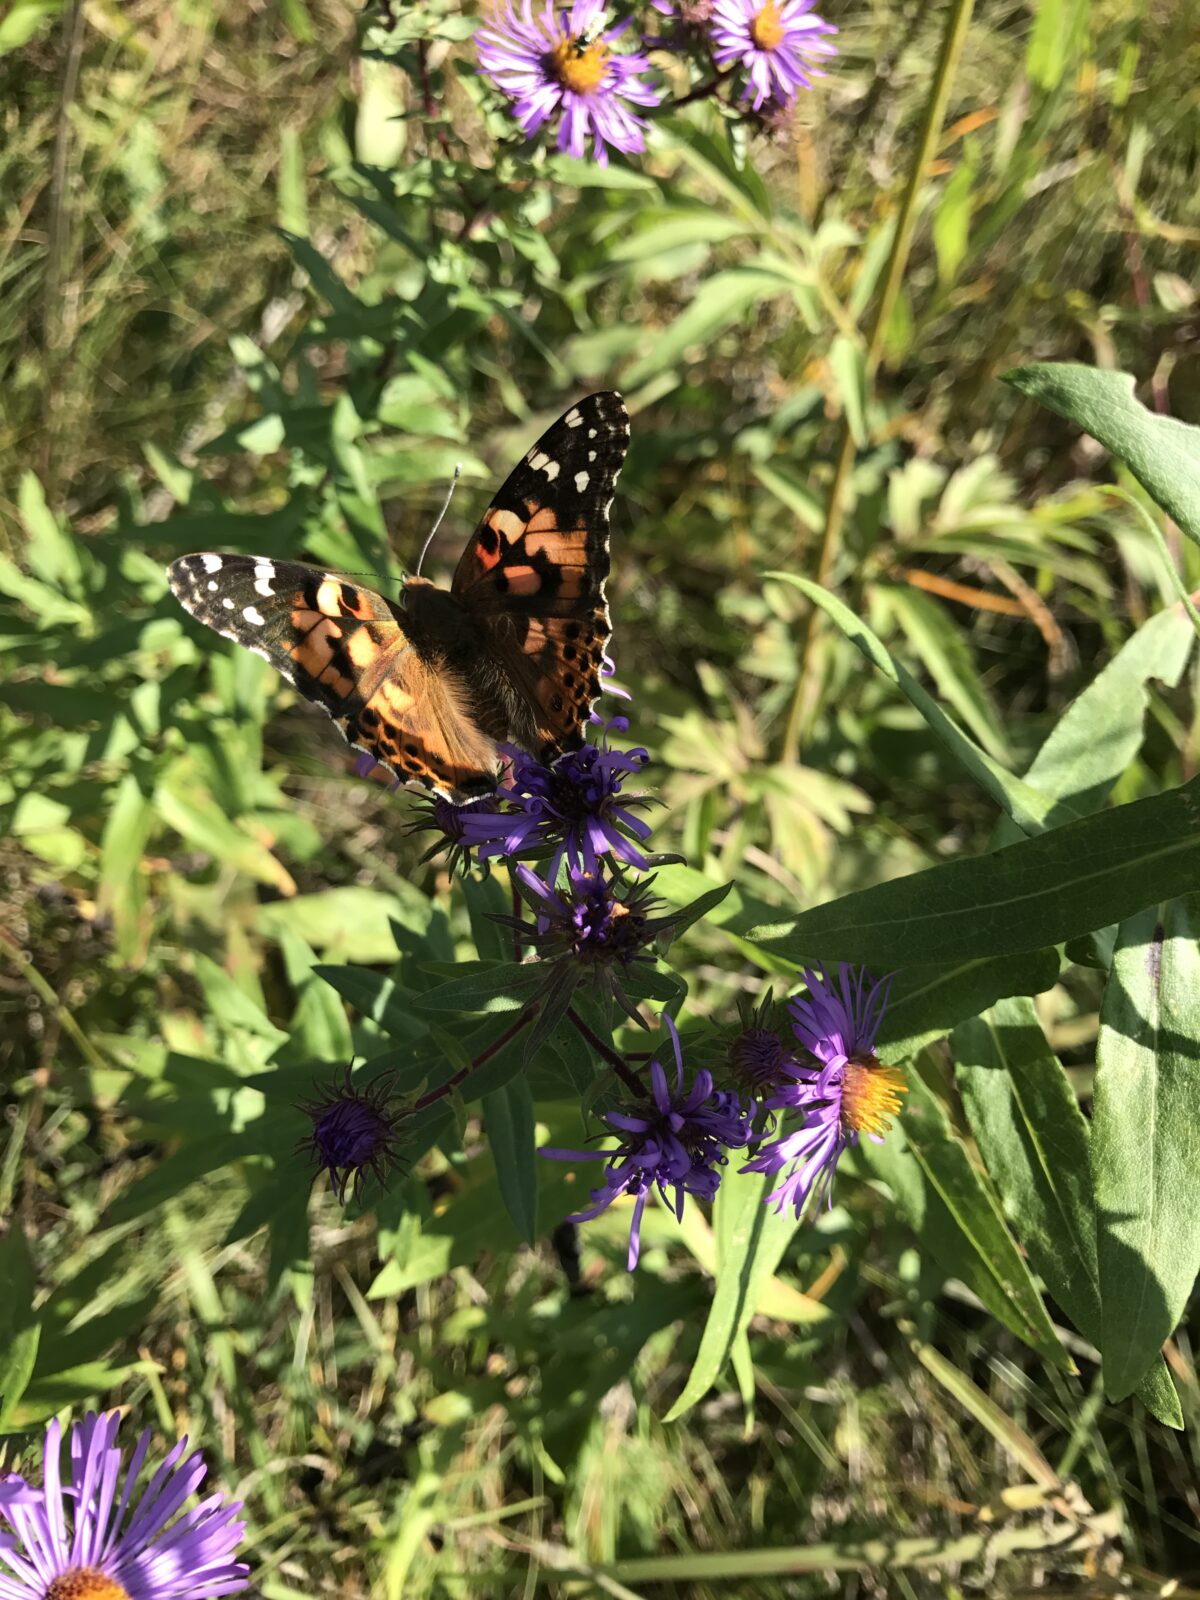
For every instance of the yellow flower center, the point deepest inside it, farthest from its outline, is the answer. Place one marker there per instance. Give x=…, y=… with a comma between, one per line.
x=580, y=64
x=85, y=1583
x=767, y=29
x=870, y=1095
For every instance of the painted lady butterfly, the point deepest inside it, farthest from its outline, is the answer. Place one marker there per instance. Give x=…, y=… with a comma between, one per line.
x=427, y=684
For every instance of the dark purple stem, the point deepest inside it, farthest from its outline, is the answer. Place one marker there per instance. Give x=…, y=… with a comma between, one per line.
x=486, y=1054
x=606, y=1053
x=704, y=92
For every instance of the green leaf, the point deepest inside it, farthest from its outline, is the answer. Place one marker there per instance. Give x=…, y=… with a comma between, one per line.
x=751, y=1238
x=122, y=882
x=1019, y=800
x=1034, y=893
x=1101, y=730
x=1162, y=454
x=959, y=1223
x=719, y=302
x=952, y=220
x=483, y=986
x=848, y=368
x=509, y=1120
x=924, y=1003
x=51, y=553
x=1059, y=30
x=382, y=998
x=353, y=924
x=943, y=653
x=20, y=1330
x=1145, y=1142
x=183, y=804
x=1034, y=1139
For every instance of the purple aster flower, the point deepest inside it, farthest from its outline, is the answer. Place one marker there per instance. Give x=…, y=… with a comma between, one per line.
x=673, y=1138
x=848, y=1094
x=561, y=64
x=353, y=1133
x=574, y=809
x=777, y=41
x=86, y=1541
x=593, y=918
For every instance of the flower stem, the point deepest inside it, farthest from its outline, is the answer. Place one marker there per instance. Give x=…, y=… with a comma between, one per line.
x=486, y=1054
x=804, y=699
x=606, y=1053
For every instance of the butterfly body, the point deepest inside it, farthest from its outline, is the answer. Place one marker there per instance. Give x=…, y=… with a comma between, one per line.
x=429, y=683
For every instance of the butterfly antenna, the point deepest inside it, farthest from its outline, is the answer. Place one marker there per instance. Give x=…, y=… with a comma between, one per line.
x=440, y=515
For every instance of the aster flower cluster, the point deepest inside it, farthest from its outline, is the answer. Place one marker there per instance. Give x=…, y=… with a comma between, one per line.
x=816, y=1101
x=93, y=1538
x=564, y=68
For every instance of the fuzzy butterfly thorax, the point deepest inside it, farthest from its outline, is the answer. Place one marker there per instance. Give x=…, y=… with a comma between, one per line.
x=430, y=683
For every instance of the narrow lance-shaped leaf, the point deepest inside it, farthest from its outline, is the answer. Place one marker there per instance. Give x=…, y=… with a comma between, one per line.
x=1145, y=1144
x=751, y=1238
x=1034, y=1140
x=1000, y=1277
x=1035, y=893
x=1027, y=808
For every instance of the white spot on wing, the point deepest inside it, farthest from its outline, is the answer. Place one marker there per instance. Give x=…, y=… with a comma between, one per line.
x=264, y=571
x=227, y=603
x=540, y=462
x=573, y=418
x=591, y=433
x=212, y=586
x=213, y=563
x=254, y=615
x=582, y=480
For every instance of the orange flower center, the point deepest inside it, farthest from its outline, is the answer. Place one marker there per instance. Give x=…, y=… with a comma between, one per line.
x=767, y=29
x=85, y=1583
x=580, y=64
x=870, y=1095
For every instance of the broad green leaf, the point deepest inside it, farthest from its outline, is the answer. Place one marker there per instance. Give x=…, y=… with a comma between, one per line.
x=1059, y=30
x=1034, y=1139
x=1019, y=800
x=751, y=1238
x=509, y=1120
x=1162, y=453
x=51, y=553
x=353, y=924
x=1100, y=732
x=1026, y=896
x=848, y=368
x=1145, y=1143
x=924, y=1003
x=22, y=19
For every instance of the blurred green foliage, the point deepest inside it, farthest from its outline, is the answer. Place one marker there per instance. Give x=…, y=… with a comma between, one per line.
x=270, y=271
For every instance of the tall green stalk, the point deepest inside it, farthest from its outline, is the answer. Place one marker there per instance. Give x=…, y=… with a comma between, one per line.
x=957, y=22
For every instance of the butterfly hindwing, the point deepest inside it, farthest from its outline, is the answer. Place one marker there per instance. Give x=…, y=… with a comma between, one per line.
x=345, y=648
x=535, y=568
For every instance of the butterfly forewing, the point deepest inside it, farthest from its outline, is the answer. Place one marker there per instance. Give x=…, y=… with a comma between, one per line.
x=345, y=648
x=534, y=571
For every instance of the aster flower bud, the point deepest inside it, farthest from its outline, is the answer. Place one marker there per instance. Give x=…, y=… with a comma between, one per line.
x=354, y=1132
